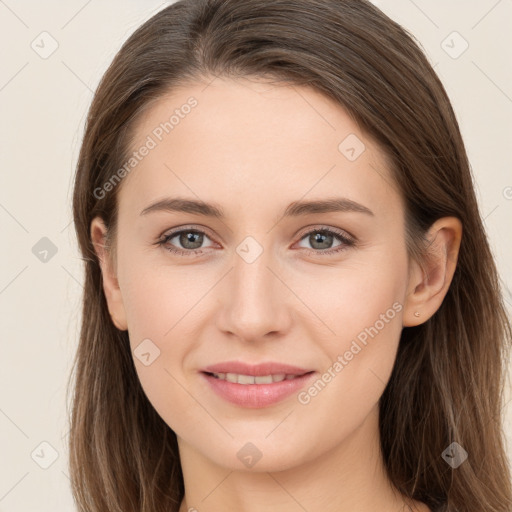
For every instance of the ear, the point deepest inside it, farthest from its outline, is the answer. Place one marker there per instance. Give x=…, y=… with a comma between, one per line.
x=427, y=287
x=110, y=282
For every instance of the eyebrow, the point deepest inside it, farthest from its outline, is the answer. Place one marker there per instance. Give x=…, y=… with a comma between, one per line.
x=295, y=209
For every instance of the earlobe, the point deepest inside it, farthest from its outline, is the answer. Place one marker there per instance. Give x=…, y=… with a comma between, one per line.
x=428, y=286
x=110, y=283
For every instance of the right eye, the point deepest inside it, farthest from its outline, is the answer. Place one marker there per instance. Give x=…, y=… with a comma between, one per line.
x=191, y=241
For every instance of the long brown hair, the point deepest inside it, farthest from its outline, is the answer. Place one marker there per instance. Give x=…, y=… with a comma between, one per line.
x=447, y=382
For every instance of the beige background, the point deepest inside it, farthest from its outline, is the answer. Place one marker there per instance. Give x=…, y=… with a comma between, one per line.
x=43, y=102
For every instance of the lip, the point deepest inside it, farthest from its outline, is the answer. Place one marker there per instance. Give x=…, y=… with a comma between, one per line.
x=257, y=370
x=255, y=396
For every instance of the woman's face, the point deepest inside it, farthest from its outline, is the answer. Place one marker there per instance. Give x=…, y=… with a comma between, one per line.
x=264, y=282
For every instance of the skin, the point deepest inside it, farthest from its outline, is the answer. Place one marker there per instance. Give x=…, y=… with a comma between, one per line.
x=253, y=148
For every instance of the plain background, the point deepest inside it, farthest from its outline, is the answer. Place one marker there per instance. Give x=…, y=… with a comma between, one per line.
x=43, y=104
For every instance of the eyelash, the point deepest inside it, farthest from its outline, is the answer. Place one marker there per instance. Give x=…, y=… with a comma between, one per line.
x=345, y=242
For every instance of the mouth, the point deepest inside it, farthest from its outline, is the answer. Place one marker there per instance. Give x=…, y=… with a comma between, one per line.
x=237, y=378
x=256, y=391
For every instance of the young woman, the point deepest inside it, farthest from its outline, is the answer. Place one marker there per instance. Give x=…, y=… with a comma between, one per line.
x=290, y=301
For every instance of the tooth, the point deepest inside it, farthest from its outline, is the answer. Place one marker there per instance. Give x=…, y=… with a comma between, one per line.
x=245, y=379
x=250, y=379
x=263, y=379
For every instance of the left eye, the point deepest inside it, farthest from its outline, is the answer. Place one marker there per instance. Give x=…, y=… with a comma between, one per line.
x=323, y=238
x=191, y=241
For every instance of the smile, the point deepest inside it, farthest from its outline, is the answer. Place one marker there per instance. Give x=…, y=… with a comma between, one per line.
x=259, y=391
x=251, y=379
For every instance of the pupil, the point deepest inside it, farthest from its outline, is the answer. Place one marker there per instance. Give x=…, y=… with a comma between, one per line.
x=321, y=238
x=192, y=238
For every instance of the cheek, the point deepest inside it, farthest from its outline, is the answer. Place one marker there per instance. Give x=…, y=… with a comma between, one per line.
x=157, y=297
x=165, y=312
x=366, y=315
x=156, y=307
x=365, y=290
x=161, y=317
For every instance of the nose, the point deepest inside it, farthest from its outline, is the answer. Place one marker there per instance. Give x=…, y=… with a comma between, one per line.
x=254, y=301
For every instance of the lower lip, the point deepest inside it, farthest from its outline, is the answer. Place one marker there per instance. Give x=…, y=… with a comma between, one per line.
x=257, y=395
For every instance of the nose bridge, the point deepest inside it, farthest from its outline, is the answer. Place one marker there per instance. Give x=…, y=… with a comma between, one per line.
x=254, y=304
x=252, y=279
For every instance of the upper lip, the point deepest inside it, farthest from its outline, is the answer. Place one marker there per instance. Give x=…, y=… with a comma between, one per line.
x=267, y=368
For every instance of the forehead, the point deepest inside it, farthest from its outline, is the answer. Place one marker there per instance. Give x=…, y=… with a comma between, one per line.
x=250, y=142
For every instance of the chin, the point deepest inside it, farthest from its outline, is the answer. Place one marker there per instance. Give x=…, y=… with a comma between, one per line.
x=257, y=456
